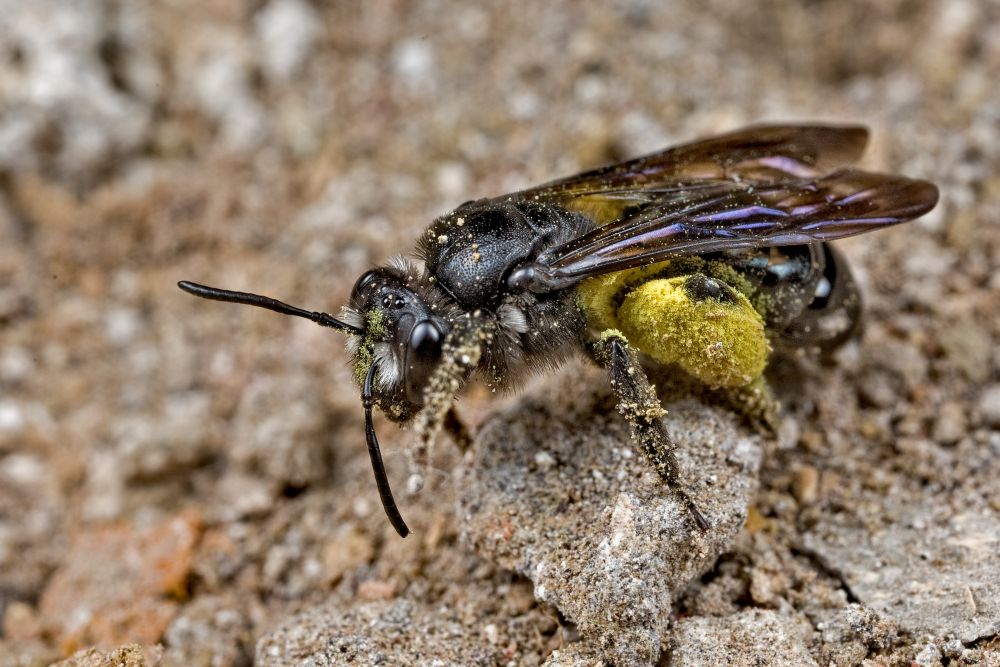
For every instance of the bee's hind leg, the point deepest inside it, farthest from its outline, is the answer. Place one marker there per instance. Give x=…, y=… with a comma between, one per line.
x=638, y=402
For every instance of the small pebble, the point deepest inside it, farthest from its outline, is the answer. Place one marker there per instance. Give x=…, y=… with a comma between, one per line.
x=989, y=406
x=929, y=656
x=952, y=649
x=287, y=30
x=376, y=590
x=23, y=469
x=950, y=425
x=121, y=325
x=807, y=485
x=16, y=364
x=413, y=61
x=544, y=460
x=11, y=417
x=344, y=552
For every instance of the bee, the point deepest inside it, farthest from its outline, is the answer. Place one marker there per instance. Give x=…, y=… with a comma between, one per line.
x=701, y=257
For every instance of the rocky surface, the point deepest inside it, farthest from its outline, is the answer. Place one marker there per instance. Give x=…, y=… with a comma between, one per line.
x=935, y=577
x=405, y=631
x=745, y=639
x=285, y=146
x=556, y=492
x=120, y=583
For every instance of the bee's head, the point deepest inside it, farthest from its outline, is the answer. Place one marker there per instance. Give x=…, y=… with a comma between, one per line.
x=398, y=332
x=396, y=338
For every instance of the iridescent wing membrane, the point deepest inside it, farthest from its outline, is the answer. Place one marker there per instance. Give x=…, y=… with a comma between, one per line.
x=761, y=186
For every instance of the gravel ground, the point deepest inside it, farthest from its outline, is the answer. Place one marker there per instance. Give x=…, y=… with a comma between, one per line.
x=186, y=483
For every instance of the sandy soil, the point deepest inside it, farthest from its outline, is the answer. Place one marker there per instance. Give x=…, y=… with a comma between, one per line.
x=185, y=483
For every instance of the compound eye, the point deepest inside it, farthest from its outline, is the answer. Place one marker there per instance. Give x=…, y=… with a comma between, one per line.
x=423, y=352
x=366, y=281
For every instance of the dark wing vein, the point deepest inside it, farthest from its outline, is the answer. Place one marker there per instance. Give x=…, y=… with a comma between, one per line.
x=760, y=155
x=723, y=215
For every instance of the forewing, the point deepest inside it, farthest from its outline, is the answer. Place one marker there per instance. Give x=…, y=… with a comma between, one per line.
x=759, y=155
x=718, y=215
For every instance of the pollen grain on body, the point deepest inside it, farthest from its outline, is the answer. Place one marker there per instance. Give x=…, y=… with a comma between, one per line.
x=719, y=343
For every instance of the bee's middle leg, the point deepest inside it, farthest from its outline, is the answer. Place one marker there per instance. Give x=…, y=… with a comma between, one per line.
x=638, y=402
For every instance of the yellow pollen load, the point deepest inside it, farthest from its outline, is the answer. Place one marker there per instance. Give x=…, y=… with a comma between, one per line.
x=720, y=342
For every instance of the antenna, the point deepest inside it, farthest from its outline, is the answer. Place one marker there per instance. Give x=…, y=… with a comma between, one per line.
x=381, y=480
x=248, y=299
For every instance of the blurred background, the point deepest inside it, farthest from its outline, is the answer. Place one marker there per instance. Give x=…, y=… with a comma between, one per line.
x=192, y=474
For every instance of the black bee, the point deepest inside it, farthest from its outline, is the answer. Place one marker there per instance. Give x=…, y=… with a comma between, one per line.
x=701, y=256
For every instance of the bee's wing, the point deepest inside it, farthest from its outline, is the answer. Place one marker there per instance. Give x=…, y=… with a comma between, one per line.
x=711, y=215
x=759, y=155
x=760, y=186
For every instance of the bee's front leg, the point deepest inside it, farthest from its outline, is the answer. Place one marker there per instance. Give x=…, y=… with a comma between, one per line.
x=638, y=402
x=461, y=351
x=459, y=431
